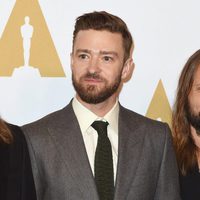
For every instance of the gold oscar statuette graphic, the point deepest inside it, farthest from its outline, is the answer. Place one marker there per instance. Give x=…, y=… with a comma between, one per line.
x=159, y=107
x=26, y=42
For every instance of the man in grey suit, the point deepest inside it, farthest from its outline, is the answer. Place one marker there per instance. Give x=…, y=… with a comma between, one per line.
x=63, y=144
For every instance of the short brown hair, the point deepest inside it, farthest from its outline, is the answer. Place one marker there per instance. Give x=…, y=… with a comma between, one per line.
x=184, y=144
x=105, y=21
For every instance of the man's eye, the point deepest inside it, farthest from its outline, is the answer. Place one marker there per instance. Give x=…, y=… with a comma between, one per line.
x=107, y=58
x=83, y=56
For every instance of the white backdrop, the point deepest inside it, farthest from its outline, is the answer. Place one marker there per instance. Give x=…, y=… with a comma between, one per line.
x=165, y=33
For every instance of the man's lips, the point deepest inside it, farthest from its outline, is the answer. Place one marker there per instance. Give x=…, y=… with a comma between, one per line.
x=93, y=80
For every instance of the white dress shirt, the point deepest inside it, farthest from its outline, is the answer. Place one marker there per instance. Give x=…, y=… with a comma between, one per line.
x=86, y=118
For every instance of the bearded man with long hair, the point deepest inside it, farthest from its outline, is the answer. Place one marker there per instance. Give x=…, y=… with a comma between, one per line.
x=186, y=128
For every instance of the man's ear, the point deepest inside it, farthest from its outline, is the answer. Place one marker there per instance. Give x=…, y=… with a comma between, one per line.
x=127, y=69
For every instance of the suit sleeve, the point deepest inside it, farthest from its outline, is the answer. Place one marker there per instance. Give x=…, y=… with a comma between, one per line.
x=168, y=181
x=36, y=174
x=28, y=189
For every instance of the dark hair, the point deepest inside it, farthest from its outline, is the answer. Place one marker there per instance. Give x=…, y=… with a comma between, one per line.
x=5, y=134
x=105, y=21
x=184, y=144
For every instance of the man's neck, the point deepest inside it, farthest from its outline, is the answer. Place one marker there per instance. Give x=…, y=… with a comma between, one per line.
x=100, y=109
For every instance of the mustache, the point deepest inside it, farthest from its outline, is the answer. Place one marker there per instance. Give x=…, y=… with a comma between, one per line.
x=94, y=75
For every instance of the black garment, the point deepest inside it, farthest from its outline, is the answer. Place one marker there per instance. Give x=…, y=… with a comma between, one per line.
x=103, y=165
x=190, y=185
x=16, y=179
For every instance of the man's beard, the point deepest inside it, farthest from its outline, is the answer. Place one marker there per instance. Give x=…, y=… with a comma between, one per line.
x=90, y=93
x=193, y=118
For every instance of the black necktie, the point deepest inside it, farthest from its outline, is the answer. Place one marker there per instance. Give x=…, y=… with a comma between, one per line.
x=103, y=165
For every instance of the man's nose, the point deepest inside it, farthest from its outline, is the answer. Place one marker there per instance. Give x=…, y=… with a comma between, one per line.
x=94, y=65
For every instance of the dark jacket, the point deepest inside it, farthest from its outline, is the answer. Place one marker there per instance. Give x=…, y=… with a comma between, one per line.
x=16, y=179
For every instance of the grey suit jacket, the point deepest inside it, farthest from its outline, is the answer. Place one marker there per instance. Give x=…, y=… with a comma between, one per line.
x=146, y=170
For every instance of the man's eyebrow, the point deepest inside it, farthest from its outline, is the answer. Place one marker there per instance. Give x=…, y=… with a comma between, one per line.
x=109, y=52
x=83, y=50
x=100, y=52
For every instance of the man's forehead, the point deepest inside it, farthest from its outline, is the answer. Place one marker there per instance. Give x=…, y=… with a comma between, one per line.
x=98, y=35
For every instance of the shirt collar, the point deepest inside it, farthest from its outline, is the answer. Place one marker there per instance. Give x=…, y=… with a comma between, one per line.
x=86, y=117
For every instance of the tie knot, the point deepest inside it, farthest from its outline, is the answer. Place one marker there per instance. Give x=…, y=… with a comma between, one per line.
x=100, y=127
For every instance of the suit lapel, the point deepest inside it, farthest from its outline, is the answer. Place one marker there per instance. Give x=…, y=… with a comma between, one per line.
x=69, y=142
x=129, y=151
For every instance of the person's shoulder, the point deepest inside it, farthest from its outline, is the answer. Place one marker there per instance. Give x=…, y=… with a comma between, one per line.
x=18, y=136
x=136, y=119
x=48, y=120
x=136, y=116
x=16, y=132
x=156, y=132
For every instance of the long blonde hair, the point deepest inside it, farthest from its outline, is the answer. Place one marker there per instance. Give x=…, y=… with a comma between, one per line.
x=5, y=133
